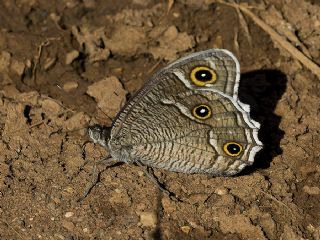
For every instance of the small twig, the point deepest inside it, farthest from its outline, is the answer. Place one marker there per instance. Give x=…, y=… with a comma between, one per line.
x=170, y=5
x=235, y=41
x=38, y=56
x=151, y=70
x=60, y=104
x=29, y=127
x=244, y=25
x=165, y=13
x=308, y=63
x=274, y=199
x=20, y=236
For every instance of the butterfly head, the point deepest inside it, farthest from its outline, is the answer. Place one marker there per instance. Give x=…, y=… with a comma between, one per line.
x=99, y=134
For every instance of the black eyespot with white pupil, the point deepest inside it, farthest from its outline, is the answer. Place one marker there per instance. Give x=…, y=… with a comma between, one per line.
x=233, y=149
x=202, y=112
x=203, y=75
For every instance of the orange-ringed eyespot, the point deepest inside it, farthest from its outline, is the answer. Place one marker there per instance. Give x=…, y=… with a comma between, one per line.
x=232, y=149
x=202, y=75
x=202, y=112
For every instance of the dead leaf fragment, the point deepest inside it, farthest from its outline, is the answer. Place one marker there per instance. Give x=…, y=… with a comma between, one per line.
x=69, y=86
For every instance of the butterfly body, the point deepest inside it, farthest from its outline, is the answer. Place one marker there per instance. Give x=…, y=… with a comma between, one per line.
x=187, y=118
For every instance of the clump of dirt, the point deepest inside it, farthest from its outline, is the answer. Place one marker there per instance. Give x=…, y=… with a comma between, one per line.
x=69, y=64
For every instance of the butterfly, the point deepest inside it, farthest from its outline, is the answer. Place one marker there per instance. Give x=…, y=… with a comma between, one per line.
x=186, y=118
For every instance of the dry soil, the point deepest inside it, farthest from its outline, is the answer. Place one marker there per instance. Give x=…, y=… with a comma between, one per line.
x=68, y=64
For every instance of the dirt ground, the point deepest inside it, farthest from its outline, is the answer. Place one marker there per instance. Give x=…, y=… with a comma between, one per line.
x=65, y=65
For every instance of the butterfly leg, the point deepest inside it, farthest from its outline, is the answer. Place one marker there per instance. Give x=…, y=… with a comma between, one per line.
x=160, y=185
x=109, y=163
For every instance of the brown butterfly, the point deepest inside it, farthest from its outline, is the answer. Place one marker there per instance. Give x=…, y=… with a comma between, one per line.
x=187, y=118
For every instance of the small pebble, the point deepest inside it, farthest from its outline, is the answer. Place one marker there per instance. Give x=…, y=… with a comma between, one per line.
x=69, y=86
x=51, y=106
x=117, y=190
x=311, y=190
x=140, y=207
x=140, y=173
x=49, y=62
x=54, y=17
x=68, y=225
x=69, y=214
x=28, y=63
x=71, y=56
x=69, y=190
x=71, y=3
x=221, y=191
x=148, y=219
x=176, y=14
x=89, y=3
x=59, y=236
x=171, y=33
x=18, y=67
x=168, y=205
x=117, y=71
x=185, y=229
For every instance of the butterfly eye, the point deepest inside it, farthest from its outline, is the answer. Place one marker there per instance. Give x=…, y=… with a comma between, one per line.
x=232, y=149
x=202, y=75
x=202, y=112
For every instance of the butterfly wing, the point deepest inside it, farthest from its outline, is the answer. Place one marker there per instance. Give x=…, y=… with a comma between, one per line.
x=179, y=124
x=224, y=64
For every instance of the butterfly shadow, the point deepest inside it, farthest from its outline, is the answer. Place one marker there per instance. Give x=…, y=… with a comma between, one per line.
x=262, y=90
